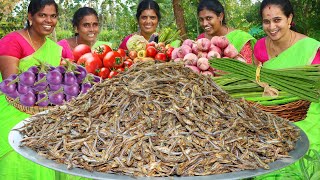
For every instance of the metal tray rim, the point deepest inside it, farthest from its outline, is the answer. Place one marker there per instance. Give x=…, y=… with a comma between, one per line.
x=15, y=137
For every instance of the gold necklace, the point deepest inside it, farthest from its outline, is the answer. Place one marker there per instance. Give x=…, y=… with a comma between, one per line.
x=31, y=40
x=273, y=52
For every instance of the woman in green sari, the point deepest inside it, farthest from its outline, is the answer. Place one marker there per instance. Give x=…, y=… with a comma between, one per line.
x=22, y=49
x=285, y=48
x=86, y=25
x=212, y=19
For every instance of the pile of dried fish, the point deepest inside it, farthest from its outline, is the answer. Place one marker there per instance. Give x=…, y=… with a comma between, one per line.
x=159, y=119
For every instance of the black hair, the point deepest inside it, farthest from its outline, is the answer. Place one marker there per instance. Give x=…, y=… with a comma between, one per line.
x=36, y=5
x=80, y=13
x=212, y=5
x=284, y=5
x=148, y=4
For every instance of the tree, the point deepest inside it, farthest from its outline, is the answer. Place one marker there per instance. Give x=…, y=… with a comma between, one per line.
x=307, y=17
x=179, y=15
x=7, y=7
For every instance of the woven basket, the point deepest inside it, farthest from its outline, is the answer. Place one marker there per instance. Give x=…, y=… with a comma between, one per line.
x=293, y=111
x=26, y=109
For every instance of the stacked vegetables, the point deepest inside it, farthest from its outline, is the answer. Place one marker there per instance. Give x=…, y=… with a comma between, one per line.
x=47, y=85
x=168, y=35
x=142, y=50
x=102, y=60
x=195, y=54
x=293, y=83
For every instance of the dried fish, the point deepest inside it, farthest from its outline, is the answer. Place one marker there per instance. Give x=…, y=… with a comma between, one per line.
x=159, y=119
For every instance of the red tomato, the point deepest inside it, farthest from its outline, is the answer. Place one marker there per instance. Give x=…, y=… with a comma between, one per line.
x=102, y=50
x=91, y=62
x=151, y=51
x=112, y=60
x=133, y=54
x=104, y=72
x=161, y=47
x=160, y=56
x=153, y=44
x=169, y=52
x=127, y=63
x=120, y=69
x=122, y=52
x=112, y=73
x=80, y=50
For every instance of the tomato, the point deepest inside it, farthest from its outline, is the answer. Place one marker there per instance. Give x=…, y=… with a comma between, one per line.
x=112, y=60
x=133, y=54
x=80, y=50
x=161, y=47
x=104, y=72
x=120, y=69
x=113, y=73
x=102, y=50
x=127, y=63
x=91, y=62
x=160, y=56
x=122, y=52
x=153, y=44
x=151, y=51
x=169, y=52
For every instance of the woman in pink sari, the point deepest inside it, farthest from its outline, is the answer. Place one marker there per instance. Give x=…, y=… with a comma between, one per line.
x=86, y=24
x=211, y=16
x=148, y=16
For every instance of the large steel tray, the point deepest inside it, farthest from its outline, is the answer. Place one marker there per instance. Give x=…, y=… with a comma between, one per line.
x=15, y=137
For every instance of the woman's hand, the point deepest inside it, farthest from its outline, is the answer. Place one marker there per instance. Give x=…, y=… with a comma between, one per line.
x=8, y=65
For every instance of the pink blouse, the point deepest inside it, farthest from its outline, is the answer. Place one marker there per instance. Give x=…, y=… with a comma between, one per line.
x=66, y=49
x=200, y=36
x=261, y=54
x=19, y=46
x=123, y=44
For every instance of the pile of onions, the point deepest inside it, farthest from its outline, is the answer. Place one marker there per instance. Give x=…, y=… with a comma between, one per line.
x=196, y=54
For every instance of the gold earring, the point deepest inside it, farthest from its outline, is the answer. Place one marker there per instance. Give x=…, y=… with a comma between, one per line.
x=30, y=23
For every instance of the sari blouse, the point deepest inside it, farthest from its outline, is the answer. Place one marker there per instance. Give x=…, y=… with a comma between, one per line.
x=66, y=49
x=123, y=44
x=19, y=46
x=261, y=54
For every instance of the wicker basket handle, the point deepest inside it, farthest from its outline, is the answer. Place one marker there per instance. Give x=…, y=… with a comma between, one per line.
x=268, y=91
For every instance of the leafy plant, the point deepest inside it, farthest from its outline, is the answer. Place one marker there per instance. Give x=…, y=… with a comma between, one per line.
x=111, y=36
x=257, y=32
x=307, y=167
x=63, y=34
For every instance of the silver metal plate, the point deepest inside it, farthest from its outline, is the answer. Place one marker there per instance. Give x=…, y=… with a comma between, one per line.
x=15, y=137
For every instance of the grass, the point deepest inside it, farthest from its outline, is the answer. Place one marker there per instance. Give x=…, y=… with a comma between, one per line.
x=307, y=168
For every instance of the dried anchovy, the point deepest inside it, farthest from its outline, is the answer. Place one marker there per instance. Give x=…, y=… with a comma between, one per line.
x=159, y=119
